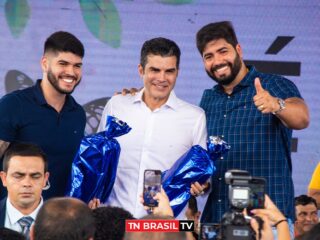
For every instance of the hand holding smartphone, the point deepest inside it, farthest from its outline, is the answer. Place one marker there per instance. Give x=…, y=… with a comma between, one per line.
x=151, y=186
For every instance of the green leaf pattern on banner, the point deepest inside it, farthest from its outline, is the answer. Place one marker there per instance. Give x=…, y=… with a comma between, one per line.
x=17, y=14
x=102, y=20
x=175, y=2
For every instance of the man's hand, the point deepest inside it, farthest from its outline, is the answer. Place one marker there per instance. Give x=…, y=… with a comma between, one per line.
x=198, y=189
x=126, y=91
x=163, y=207
x=94, y=203
x=263, y=100
x=270, y=210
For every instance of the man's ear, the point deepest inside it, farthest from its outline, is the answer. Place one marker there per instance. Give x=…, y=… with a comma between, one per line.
x=239, y=50
x=3, y=176
x=44, y=63
x=46, y=177
x=140, y=70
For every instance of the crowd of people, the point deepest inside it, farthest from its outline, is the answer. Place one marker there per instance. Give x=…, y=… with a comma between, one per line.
x=254, y=112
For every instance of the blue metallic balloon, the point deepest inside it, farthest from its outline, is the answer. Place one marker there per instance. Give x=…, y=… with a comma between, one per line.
x=196, y=165
x=95, y=165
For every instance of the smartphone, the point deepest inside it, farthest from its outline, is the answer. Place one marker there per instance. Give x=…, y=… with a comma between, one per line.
x=256, y=194
x=209, y=231
x=151, y=186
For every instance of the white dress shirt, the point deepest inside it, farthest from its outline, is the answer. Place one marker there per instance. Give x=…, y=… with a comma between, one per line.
x=13, y=215
x=157, y=139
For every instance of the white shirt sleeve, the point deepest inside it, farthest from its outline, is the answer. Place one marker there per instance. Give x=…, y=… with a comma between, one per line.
x=106, y=111
x=200, y=132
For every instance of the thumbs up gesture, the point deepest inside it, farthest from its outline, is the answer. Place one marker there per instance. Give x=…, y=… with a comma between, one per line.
x=263, y=100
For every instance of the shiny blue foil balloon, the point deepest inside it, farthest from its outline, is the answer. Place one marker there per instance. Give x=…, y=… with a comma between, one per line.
x=196, y=165
x=94, y=167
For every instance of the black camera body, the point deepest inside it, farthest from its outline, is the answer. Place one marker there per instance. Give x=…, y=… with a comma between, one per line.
x=247, y=192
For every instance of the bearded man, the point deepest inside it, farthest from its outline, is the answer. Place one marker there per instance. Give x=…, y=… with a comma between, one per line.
x=252, y=111
x=46, y=114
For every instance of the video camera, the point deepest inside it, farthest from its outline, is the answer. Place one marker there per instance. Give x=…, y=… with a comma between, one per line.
x=244, y=191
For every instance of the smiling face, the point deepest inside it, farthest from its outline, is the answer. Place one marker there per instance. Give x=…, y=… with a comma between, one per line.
x=223, y=62
x=63, y=70
x=24, y=181
x=159, y=77
x=307, y=217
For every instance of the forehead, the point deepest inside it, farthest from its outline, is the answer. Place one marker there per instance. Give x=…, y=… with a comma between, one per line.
x=65, y=56
x=306, y=208
x=216, y=44
x=26, y=164
x=158, y=61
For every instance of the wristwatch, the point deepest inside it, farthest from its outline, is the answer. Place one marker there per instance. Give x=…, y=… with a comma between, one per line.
x=282, y=105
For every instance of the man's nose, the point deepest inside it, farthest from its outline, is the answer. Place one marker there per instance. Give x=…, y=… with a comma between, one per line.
x=27, y=181
x=70, y=71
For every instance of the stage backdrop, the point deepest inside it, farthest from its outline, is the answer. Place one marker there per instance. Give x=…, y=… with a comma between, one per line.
x=277, y=36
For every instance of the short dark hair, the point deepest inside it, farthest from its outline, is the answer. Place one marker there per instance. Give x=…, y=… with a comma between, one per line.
x=24, y=150
x=304, y=200
x=110, y=222
x=214, y=31
x=159, y=46
x=64, y=218
x=64, y=42
x=6, y=233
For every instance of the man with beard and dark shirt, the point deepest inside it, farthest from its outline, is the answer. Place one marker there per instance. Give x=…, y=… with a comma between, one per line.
x=46, y=114
x=255, y=113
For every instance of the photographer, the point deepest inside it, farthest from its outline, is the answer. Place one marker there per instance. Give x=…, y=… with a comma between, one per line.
x=272, y=218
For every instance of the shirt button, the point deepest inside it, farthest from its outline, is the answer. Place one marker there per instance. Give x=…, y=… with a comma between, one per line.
x=220, y=178
x=222, y=136
x=225, y=115
x=229, y=97
x=219, y=200
x=221, y=158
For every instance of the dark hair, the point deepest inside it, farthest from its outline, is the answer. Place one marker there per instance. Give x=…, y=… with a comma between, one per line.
x=214, y=31
x=24, y=150
x=159, y=46
x=304, y=200
x=110, y=222
x=64, y=218
x=64, y=42
x=6, y=233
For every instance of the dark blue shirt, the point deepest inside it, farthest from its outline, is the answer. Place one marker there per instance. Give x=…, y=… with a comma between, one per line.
x=260, y=143
x=26, y=117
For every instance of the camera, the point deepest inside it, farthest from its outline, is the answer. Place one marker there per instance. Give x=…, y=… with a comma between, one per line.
x=247, y=192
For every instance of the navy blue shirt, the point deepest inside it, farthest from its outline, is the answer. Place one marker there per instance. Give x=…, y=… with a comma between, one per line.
x=260, y=143
x=26, y=117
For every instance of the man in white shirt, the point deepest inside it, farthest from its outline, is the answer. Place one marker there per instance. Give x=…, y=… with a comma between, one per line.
x=24, y=175
x=163, y=126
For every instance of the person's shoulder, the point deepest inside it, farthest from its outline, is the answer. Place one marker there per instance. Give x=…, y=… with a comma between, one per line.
x=270, y=78
x=3, y=204
x=121, y=99
x=185, y=106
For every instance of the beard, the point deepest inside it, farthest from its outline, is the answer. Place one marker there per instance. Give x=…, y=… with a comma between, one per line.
x=226, y=79
x=55, y=83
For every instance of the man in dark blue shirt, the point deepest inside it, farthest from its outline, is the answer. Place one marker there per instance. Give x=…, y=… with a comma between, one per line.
x=46, y=114
x=252, y=111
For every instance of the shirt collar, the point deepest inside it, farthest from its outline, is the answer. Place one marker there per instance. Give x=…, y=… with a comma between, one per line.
x=37, y=90
x=14, y=214
x=172, y=101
